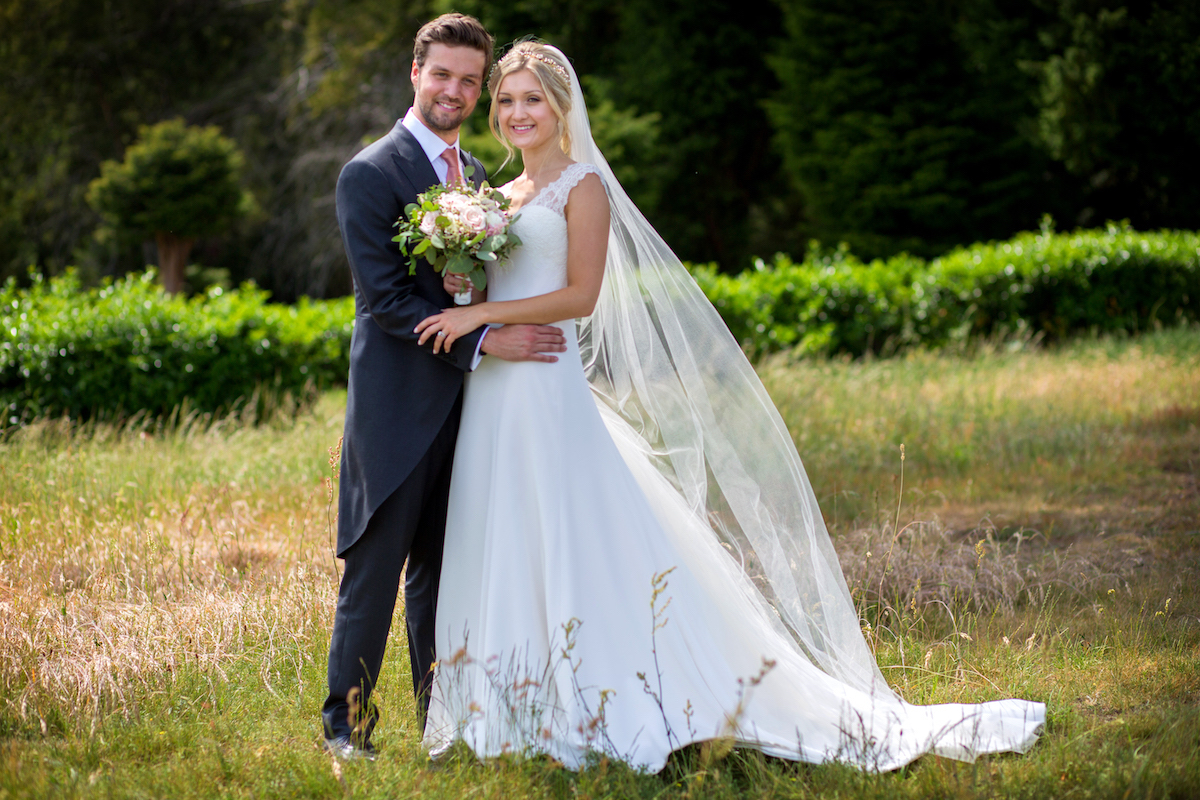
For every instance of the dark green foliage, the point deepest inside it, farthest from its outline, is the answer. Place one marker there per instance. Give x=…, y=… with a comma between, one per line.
x=127, y=347
x=916, y=125
x=700, y=65
x=1055, y=285
x=174, y=178
x=1119, y=106
x=77, y=78
x=899, y=121
x=921, y=125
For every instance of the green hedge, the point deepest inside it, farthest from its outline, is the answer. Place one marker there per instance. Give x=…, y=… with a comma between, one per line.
x=1056, y=284
x=127, y=346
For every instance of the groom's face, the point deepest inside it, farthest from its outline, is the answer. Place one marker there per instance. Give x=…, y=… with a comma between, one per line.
x=447, y=87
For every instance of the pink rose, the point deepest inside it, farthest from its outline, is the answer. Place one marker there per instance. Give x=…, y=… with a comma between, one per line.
x=474, y=218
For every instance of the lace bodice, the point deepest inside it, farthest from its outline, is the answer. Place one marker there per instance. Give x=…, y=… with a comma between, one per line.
x=554, y=196
x=539, y=265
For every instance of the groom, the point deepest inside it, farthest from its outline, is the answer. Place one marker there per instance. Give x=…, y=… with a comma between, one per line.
x=403, y=404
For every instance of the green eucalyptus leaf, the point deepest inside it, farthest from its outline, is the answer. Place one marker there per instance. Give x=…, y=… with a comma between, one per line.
x=479, y=278
x=460, y=264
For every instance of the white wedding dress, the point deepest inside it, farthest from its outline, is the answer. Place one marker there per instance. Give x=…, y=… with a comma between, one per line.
x=551, y=636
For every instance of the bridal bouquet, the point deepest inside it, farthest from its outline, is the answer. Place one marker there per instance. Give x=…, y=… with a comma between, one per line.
x=458, y=229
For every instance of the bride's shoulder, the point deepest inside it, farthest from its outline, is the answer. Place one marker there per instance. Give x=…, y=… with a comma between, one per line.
x=578, y=174
x=587, y=193
x=558, y=192
x=576, y=171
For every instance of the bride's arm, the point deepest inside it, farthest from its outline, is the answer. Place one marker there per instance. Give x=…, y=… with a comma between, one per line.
x=587, y=245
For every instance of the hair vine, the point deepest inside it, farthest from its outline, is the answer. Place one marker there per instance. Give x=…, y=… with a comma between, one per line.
x=514, y=52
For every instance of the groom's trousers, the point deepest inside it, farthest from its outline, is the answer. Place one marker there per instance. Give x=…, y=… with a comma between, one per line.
x=409, y=526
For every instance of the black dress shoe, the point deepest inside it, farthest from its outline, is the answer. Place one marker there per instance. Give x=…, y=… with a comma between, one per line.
x=343, y=748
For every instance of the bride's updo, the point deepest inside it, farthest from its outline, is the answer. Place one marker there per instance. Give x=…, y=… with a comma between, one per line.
x=546, y=65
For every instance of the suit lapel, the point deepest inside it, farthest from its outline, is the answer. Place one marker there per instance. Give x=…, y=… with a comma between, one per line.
x=411, y=158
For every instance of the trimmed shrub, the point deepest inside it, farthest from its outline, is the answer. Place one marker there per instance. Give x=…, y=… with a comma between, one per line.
x=127, y=346
x=177, y=182
x=1056, y=285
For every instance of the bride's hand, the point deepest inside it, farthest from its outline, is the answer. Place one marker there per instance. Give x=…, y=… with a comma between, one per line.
x=449, y=326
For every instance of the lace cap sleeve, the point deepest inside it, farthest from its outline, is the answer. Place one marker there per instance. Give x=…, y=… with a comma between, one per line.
x=555, y=195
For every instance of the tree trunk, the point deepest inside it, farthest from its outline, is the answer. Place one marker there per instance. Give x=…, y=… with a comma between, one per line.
x=173, y=253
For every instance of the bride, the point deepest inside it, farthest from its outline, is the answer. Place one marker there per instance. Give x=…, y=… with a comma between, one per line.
x=634, y=558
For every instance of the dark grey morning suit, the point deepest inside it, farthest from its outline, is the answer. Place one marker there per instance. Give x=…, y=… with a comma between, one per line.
x=402, y=415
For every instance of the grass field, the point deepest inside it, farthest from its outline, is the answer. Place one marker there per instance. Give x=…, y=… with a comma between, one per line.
x=166, y=591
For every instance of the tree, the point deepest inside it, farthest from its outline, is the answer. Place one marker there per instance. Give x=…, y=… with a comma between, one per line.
x=701, y=66
x=77, y=78
x=1119, y=97
x=901, y=122
x=175, y=184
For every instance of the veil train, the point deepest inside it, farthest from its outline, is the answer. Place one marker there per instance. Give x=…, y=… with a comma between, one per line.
x=658, y=355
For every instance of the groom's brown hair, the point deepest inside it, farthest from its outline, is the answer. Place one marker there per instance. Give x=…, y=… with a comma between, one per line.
x=454, y=30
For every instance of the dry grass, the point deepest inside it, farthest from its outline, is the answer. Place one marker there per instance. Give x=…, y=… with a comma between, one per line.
x=1027, y=474
x=123, y=567
x=166, y=593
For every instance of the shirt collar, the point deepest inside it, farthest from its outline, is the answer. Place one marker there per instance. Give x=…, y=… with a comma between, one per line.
x=430, y=142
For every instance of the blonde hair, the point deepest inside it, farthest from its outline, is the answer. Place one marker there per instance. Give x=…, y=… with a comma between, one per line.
x=551, y=74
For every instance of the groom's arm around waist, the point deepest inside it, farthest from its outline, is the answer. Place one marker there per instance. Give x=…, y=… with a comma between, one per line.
x=367, y=210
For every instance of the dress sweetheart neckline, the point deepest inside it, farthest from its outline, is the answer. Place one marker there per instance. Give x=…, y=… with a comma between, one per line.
x=565, y=170
x=536, y=194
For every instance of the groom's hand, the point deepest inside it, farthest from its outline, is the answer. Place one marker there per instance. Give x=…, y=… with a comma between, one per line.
x=524, y=343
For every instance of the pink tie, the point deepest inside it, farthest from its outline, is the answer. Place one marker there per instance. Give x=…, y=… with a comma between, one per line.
x=453, y=174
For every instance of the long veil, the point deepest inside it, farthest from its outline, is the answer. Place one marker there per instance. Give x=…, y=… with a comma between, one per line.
x=658, y=355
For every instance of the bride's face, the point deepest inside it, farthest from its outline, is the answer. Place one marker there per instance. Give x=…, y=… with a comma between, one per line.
x=524, y=114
